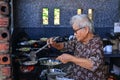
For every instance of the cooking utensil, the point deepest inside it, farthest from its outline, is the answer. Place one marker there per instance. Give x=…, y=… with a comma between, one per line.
x=33, y=53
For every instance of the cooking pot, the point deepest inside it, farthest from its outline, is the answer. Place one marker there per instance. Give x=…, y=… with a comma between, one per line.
x=52, y=73
x=49, y=61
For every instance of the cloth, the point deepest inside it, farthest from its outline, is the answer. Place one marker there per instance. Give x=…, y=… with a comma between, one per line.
x=92, y=51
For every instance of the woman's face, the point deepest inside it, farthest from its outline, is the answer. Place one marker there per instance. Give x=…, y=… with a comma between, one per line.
x=80, y=33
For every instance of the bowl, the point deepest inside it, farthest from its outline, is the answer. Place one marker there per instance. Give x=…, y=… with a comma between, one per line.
x=55, y=71
x=49, y=61
x=28, y=63
x=62, y=78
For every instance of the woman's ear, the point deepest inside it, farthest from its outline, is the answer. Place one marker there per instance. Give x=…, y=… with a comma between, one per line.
x=86, y=30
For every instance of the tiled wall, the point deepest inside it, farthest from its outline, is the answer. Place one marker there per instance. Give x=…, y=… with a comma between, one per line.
x=28, y=15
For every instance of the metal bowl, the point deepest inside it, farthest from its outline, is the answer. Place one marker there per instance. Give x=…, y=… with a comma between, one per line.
x=53, y=72
x=49, y=61
x=28, y=63
x=62, y=78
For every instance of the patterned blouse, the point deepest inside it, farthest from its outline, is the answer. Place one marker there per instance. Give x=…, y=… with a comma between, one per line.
x=92, y=51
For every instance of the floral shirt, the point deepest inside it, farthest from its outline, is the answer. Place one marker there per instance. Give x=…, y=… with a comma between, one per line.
x=92, y=51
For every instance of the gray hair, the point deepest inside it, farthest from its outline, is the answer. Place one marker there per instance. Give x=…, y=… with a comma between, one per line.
x=82, y=20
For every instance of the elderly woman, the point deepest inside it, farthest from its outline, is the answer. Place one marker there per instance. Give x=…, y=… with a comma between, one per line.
x=88, y=60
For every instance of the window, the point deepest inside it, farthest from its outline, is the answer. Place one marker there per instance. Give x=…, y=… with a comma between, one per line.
x=45, y=16
x=90, y=13
x=56, y=16
x=79, y=11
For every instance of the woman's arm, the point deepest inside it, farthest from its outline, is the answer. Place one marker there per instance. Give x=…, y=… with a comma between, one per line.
x=83, y=62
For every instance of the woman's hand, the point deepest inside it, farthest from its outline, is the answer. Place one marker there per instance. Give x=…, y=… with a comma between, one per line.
x=65, y=58
x=52, y=43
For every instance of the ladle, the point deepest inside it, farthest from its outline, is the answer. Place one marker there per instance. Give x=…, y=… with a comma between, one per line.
x=33, y=53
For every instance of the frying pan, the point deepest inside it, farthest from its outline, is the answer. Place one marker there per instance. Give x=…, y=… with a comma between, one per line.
x=49, y=61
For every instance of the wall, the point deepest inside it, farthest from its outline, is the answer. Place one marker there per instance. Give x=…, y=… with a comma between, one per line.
x=28, y=15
